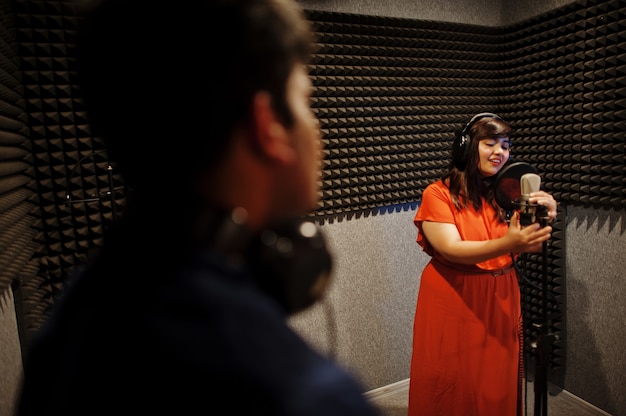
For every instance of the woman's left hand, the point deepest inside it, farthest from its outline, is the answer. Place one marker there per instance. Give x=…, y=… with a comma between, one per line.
x=545, y=199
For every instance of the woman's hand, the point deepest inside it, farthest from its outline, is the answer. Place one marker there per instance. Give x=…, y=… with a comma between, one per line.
x=528, y=239
x=544, y=199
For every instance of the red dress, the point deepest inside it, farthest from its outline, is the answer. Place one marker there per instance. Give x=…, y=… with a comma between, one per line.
x=467, y=331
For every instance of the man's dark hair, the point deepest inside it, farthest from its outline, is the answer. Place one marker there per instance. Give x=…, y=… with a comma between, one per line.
x=165, y=84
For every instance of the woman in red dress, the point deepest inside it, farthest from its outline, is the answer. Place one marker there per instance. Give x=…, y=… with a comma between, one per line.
x=467, y=333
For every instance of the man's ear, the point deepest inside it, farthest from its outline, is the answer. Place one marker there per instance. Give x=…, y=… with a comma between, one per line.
x=270, y=136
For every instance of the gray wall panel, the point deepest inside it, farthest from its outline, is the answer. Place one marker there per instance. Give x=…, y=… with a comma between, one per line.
x=596, y=311
x=373, y=295
x=10, y=354
x=475, y=12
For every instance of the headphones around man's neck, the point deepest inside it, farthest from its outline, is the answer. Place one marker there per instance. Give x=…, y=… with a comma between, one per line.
x=290, y=259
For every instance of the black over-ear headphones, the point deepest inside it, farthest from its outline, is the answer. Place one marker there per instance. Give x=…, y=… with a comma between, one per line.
x=290, y=259
x=460, y=146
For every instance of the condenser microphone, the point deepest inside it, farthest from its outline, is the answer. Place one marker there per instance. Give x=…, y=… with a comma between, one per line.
x=529, y=182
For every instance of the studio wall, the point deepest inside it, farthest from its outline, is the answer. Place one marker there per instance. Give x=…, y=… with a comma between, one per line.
x=559, y=64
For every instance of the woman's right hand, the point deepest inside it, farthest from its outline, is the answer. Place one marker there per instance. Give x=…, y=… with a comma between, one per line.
x=528, y=239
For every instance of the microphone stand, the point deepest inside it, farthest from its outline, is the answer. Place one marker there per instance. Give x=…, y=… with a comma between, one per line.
x=543, y=347
x=508, y=196
x=111, y=191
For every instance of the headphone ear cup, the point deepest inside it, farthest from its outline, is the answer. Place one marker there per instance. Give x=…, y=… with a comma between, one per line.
x=460, y=149
x=293, y=263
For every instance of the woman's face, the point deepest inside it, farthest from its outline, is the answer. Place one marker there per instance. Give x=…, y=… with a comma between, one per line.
x=492, y=154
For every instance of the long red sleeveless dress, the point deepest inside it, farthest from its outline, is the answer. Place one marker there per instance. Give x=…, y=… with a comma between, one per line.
x=467, y=334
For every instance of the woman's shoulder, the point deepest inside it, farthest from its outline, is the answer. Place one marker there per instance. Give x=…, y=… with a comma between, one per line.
x=437, y=187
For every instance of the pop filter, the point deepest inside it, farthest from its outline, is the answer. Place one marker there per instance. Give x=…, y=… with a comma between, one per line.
x=508, y=189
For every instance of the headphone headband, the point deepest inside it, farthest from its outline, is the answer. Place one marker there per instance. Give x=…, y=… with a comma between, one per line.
x=474, y=119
